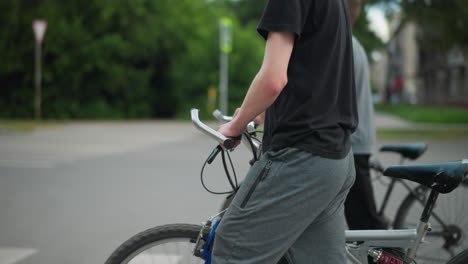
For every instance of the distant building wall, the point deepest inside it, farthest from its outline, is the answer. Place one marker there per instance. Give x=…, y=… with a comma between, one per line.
x=379, y=70
x=444, y=77
x=410, y=51
x=416, y=74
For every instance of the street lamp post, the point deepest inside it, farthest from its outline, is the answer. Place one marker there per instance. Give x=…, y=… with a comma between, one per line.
x=225, y=49
x=39, y=27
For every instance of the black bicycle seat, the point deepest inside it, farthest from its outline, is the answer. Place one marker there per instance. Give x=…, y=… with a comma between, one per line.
x=409, y=150
x=442, y=177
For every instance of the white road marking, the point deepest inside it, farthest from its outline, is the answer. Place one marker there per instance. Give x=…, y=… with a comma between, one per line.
x=15, y=255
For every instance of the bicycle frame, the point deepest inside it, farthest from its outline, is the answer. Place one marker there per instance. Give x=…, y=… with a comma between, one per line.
x=403, y=238
x=359, y=243
x=389, y=190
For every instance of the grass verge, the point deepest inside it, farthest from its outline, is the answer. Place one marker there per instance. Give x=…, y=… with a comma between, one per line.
x=423, y=133
x=425, y=114
x=27, y=125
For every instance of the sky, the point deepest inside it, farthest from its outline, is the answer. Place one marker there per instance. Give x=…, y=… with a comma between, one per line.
x=378, y=23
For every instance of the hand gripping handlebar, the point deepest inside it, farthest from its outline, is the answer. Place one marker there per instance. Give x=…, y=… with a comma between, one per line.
x=228, y=143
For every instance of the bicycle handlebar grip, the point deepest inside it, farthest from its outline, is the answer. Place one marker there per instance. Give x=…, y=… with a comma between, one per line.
x=228, y=143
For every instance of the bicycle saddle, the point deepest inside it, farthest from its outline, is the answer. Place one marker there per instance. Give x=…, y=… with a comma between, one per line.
x=442, y=177
x=410, y=150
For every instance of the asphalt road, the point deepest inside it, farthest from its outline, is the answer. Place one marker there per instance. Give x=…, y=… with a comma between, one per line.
x=72, y=194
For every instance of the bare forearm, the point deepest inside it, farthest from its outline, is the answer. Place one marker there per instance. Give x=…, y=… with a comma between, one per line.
x=267, y=84
x=262, y=93
x=260, y=119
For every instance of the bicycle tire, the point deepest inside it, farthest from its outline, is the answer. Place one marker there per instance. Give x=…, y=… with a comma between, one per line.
x=451, y=210
x=159, y=245
x=461, y=258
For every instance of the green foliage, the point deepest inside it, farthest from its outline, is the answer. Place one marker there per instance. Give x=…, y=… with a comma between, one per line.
x=361, y=30
x=421, y=134
x=247, y=11
x=442, y=23
x=425, y=114
x=250, y=11
x=118, y=59
x=198, y=68
x=28, y=125
x=114, y=59
x=245, y=61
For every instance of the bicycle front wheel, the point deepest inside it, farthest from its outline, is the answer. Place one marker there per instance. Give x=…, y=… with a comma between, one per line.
x=449, y=223
x=160, y=245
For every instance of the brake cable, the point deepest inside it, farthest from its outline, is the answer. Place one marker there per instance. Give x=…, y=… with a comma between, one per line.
x=233, y=182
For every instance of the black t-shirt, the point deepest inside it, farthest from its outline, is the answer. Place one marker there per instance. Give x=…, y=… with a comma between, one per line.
x=316, y=111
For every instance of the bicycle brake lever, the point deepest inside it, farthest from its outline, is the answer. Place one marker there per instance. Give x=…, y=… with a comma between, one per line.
x=213, y=154
x=218, y=149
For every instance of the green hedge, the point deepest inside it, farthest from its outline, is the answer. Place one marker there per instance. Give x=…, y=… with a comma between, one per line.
x=112, y=59
x=425, y=114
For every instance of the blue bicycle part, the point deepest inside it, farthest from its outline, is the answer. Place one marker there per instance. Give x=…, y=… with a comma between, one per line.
x=206, y=254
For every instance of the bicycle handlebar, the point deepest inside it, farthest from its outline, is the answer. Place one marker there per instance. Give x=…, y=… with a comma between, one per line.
x=251, y=126
x=228, y=143
x=253, y=146
x=218, y=115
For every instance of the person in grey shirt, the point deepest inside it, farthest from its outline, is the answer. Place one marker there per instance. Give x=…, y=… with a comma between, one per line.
x=360, y=208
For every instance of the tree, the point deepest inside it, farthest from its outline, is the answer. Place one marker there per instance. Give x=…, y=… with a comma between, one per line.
x=250, y=11
x=443, y=23
x=109, y=58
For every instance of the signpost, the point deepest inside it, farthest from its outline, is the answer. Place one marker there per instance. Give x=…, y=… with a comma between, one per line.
x=225, y=44
x=211, y=105
x=39, y=27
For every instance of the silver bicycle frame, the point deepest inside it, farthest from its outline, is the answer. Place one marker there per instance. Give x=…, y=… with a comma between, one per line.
x=360, y=242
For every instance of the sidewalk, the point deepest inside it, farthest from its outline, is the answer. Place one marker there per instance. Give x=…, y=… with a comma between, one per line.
x=387, y=121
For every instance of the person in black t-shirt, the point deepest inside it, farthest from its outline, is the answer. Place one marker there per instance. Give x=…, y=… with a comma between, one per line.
x=291, y=201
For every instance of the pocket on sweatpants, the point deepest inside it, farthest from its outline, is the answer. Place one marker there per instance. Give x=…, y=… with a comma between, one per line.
x=258, y=180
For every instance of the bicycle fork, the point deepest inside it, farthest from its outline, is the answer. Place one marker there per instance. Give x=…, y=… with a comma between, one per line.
x=204, y=244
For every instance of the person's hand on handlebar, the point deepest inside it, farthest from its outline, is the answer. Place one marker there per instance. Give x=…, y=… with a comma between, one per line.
x=239, y=123
x=230, y=130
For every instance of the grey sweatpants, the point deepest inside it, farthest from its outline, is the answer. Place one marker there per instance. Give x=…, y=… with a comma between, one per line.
x=290, y=203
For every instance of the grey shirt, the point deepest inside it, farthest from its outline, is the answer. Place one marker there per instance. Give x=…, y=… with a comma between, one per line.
x=363, y=139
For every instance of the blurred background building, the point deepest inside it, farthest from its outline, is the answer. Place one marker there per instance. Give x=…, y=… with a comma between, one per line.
x=421, y=64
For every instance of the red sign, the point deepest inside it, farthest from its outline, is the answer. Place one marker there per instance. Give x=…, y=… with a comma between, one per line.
x=39, y=27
